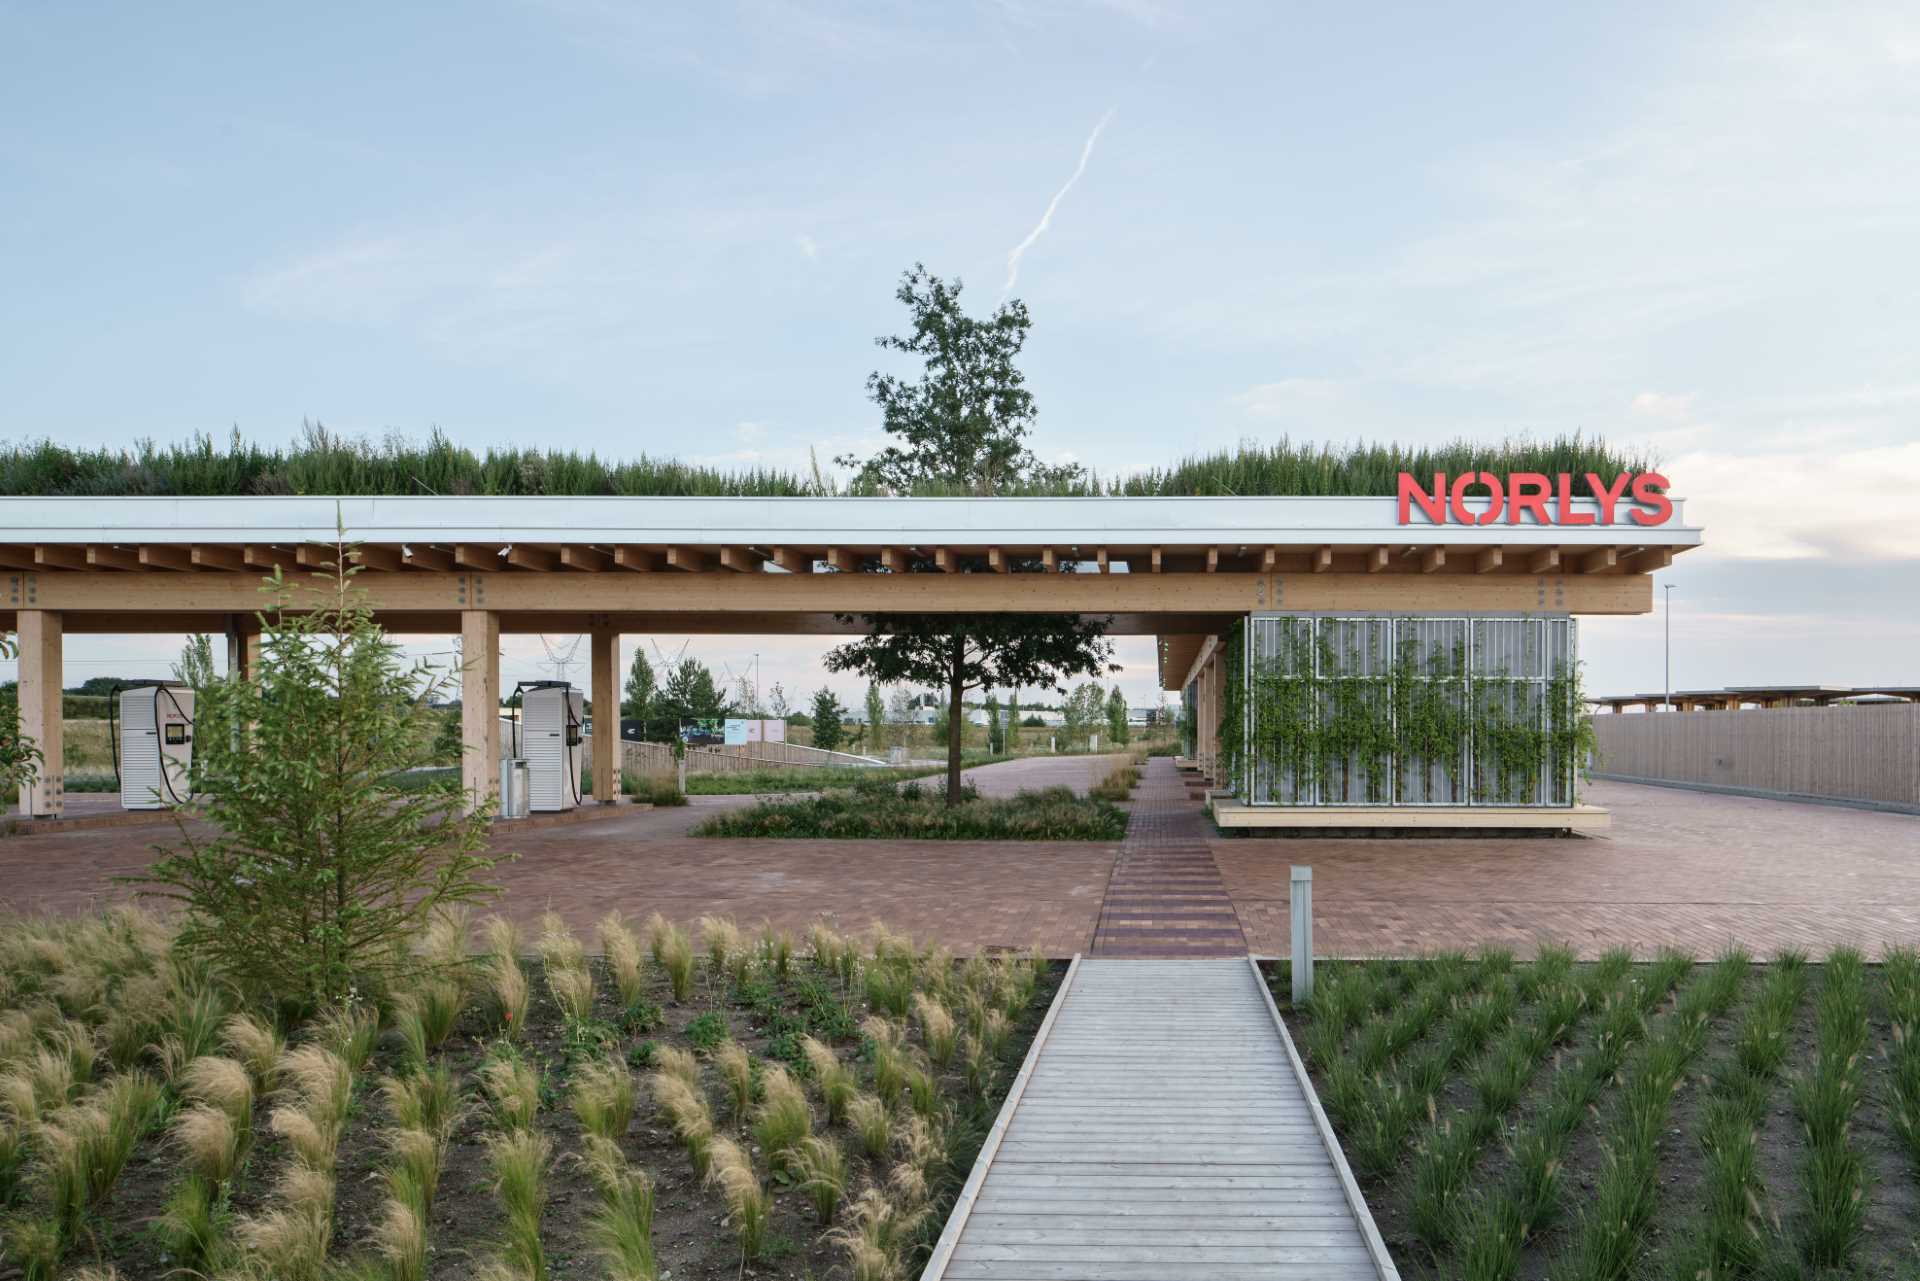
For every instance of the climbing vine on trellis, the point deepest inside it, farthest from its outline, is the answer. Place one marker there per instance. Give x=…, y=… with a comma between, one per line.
x=1233, y=703
x=1333, y=717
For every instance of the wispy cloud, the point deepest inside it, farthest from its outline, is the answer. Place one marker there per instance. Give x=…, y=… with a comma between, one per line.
x=1046, y=219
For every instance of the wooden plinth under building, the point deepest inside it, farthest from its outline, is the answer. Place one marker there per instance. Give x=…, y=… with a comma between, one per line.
x=1580, y=819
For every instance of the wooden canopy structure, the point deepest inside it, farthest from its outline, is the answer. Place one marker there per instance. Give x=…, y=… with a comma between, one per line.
x=1179, y=569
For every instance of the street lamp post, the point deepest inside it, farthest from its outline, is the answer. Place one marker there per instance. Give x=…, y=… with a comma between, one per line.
x=1669, y=614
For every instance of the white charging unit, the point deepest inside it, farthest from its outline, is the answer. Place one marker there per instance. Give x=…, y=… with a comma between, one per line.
x=552, y=717
x=155, y=751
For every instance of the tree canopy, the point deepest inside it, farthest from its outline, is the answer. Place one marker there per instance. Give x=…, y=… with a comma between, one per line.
x=975, y=651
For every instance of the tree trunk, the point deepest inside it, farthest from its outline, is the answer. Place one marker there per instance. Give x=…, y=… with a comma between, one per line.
x=954, y=723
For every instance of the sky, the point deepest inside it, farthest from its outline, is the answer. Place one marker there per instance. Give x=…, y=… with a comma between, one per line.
x=676, y=230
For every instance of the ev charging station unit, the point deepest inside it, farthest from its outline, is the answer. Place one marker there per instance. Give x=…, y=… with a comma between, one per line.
x=153, y=748
x=552, y=721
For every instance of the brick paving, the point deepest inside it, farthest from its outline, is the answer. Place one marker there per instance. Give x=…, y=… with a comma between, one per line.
x=1166, y=898
x=1688, y=869
x=1684, y=868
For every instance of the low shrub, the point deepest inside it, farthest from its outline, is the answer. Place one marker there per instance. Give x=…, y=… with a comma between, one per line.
x=663, y=792
x=1055, y=814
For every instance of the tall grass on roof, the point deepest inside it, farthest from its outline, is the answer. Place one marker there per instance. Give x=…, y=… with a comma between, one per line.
x=322, y=461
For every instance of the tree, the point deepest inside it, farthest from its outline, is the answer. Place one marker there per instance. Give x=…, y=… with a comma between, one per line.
x=637, y=702
x=829, y=720
x=876, y=715
x=974, y=651
x=1013, y=722
x=963, y=425
x=1082, y=710
x=304, y=867
x=690, y=694
x=1117, y=718
x=996, y=732
x=195, y=666
x=777, y=705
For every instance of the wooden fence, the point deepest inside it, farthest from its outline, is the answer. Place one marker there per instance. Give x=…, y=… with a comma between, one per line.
x=1864, y=754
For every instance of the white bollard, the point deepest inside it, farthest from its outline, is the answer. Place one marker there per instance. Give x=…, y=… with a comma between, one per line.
x=1300, y=898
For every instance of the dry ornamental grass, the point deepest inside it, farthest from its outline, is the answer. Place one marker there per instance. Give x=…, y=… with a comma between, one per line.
x=498, y=1113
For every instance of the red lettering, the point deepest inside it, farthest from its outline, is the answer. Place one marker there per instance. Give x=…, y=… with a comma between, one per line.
x=1492, y=513
x=1527, y=492
x=1434, y=504
x=1608, y=496
x=1649, y=490
x=1569, y=515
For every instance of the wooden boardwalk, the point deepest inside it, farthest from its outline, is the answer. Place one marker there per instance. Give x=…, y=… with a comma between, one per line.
x=1161, y=1129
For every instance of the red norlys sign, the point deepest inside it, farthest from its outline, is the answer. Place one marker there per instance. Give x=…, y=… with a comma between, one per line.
x=1549, y=500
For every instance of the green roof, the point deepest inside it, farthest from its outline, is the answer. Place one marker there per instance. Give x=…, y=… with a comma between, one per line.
x=322, y=462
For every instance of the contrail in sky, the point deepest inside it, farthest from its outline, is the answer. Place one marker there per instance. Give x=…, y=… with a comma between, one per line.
x=1046, y=219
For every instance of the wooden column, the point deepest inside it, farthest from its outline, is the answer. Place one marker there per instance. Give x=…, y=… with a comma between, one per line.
x=480, y=706
x=40, y=711
x=606, y=713
x=243, y=651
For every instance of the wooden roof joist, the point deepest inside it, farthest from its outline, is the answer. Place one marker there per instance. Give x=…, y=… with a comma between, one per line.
x=572, y=558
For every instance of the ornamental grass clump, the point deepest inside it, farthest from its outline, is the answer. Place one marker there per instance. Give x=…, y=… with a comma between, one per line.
x=836, y=1081
x=86, y=1145
x=782, y=1121
x=289, y=1240
x=820, y=1167
x=937, y=1028
x=506, y=977
x=879, y=1235
x=256, y=1044
x=872, y=1122
x=621, y=1229
x=519, y=1160
x=727, y=953
x=1902, y=971
x=886, y=1045
x=748, y=1203
x=512, y=1087
x=889, y=988
x=1833, y=1174
x=317, y=1089
x=736, y=1073
x=685, y=1107
x=603, y=1098
x=673, y=951
x=624, y=958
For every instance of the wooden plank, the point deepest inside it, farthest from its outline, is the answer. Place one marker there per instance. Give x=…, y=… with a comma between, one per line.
x=970, y=1192
x=1220, y=1165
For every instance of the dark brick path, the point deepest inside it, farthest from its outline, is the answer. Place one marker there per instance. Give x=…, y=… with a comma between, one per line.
x=1166, y=898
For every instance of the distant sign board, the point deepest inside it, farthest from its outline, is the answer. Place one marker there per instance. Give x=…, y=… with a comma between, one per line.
x=740, y=731
x=709, y=732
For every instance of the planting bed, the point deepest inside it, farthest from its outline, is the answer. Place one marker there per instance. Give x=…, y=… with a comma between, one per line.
x=913, y=811
x=448, y=1130
x=1615, y=1120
